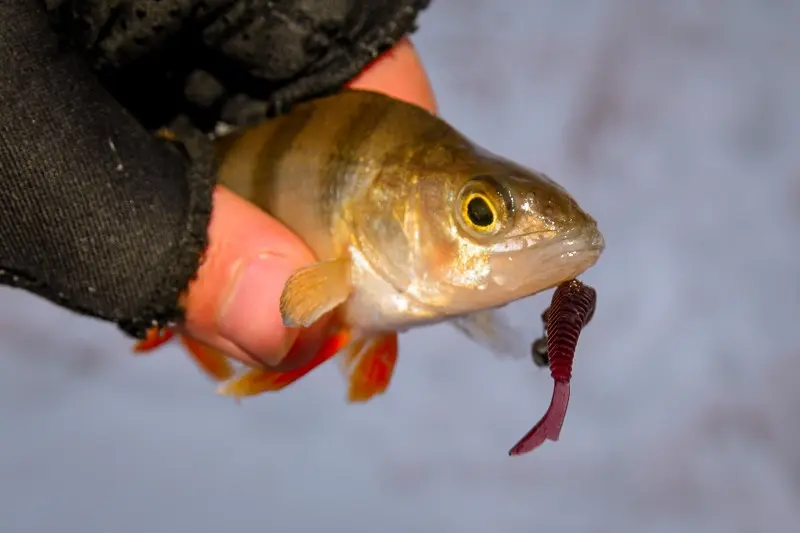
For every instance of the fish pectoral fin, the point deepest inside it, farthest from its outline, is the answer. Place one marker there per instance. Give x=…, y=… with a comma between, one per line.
x=491, y=329
x=368, y=365
x=315, y=290
x=257, y=381
x=213, y=362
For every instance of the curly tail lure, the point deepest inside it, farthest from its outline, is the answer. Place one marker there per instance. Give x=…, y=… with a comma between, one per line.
x=571, y=308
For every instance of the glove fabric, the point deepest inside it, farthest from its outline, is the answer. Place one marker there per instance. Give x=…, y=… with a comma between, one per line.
x=96, y=213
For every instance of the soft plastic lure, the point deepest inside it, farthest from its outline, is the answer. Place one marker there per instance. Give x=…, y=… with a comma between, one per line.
x=571, y=308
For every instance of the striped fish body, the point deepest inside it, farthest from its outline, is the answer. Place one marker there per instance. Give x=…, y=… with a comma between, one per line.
x=411, y=224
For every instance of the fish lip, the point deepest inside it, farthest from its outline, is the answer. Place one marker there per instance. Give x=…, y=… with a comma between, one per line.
x=597, y=240
x=583, y=240
x=564, y=258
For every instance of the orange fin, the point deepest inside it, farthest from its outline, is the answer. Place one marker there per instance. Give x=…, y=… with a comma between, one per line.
x=369, y=366
x=257, y=381
x=210, y=360
x=155, y=338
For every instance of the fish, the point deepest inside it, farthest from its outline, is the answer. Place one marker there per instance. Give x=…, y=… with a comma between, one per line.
x=411, y=224
x=571, y=309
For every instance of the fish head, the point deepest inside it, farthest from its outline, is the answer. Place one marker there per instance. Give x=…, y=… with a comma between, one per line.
x=467, y=230
x=511, y=232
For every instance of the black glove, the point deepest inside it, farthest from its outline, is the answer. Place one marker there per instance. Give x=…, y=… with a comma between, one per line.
x=96, y=213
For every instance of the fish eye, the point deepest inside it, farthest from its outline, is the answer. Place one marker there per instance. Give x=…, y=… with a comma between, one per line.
x=480, y=211
x=484, y=206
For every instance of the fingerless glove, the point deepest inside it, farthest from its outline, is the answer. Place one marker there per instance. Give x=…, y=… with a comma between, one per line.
x=97, y=214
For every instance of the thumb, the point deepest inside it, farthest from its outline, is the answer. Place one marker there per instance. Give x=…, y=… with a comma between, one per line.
x=233, y=303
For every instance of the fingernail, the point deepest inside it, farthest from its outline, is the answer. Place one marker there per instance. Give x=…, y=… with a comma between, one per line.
x=249, y=316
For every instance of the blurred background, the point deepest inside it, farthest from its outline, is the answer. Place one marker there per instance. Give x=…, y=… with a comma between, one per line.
x=676, y=124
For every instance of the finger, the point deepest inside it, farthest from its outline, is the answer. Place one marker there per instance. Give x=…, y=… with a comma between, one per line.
x=400, y=74
x=233, y=305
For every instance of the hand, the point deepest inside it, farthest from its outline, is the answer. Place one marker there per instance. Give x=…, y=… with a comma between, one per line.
x=233, y=304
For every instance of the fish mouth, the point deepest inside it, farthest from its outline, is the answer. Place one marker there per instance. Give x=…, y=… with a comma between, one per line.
x=571, y=256
x=549, y=265
x=587, y=241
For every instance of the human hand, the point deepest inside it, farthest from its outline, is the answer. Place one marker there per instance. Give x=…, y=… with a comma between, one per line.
x=233, y=303
x=103, y=218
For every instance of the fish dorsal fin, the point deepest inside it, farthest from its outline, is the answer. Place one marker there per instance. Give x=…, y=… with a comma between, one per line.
x=315, y=290
x=492, y=331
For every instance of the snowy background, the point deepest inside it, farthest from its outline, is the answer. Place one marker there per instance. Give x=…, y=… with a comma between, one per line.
x=676, y=124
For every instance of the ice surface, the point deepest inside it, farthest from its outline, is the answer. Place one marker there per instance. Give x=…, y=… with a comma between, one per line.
x=676, y=124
